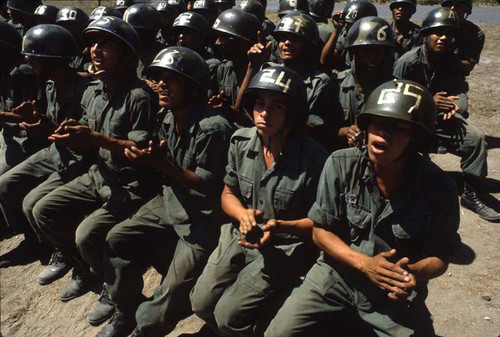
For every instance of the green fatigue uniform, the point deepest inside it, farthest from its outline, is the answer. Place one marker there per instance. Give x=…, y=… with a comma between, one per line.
x=343, y=61
x=147, y=56
x=240, y=289
x=275, y=52
x=420, y=222
x=111, y=190
x=456, y=134
x=411, y=39
x=325, y=30
x=81, y=63
x=468, y=42
x=17, y=84
x=228, y=80
x=179, y=226
x=48, y=168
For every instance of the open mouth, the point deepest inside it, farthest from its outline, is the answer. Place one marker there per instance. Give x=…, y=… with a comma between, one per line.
x=379, y=147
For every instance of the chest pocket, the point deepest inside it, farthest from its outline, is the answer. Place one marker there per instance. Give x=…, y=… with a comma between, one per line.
x=359, y=221
x=246, y=190
x=409, y=233
x=283, y=200
x=117, y=128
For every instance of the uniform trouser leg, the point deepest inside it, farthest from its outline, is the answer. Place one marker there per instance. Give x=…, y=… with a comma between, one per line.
x=58, y=214
x=130, y=248
x=17, y=182
x=467, y=142
x=170, y=303
x=11, y=152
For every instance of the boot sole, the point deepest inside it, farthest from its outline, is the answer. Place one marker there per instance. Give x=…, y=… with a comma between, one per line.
x=100, y=321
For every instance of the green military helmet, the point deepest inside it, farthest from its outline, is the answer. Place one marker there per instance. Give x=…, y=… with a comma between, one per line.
x=207, y=8
x=370, y=31
x=355, y=10
x=122, y=5
x=46, y=13
x=405, y=101
x=298, y=24
x=101, y=11
x=72, y=15
x=143, y=16
x=49, y=40
x=193, y=21
x=185, y=62
x=253, y=7
x=115, y=27
x=9, y=36
x=448, y=3
x=167, y=12
x=284, y=81
x=412, y=3
x=439, y=18
x=321, y=8
x=290, y=6
x=180, y=5
x=238, y=24
x=25, y=6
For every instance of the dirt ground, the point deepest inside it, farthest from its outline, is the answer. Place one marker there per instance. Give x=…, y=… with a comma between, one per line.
x=464, y=302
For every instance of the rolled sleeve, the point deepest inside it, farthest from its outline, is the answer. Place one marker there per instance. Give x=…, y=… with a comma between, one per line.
x=231, y=177
x=210, y=149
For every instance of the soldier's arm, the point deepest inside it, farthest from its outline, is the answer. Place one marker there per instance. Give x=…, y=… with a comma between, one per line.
x=329, y=52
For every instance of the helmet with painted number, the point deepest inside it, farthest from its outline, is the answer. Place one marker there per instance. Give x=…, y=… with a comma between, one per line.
x=193, y=21
x=299, y=24
x=184, y=62
x=207, y=8
x=26, y=7
x=321, y=8
x=111, y=26
x=143, y=16
x=9, y=36
x=284, y=81
x=356, y=10
x=439, y=18
x=253, y=7
x=180, y=5
x=238, y=24
x=101, y=11
x=449, y=3
x=370, y=31
x=405, y=101
x=290, y=6
x=72, y=15
x=46, y=13
x=412, y=3
x=49, y=40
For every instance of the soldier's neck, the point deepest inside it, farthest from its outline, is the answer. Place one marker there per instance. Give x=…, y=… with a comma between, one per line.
x=390, y=177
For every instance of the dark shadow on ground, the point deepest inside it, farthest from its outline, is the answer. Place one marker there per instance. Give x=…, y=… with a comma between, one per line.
x=493, y=142
x=464, y=255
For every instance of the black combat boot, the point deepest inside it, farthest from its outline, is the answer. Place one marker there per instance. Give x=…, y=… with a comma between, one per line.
x=103, y=310
x=470, y=200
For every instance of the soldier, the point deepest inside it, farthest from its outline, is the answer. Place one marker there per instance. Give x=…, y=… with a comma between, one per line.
x=321, y=11
x=407, y=34
x=435, y=66
x=179, y=226
x=370, y=44
x=76, y=20
x=46, y=14
x=469, y=39
x=18, y=84
x=147, y=22
x=168, y=13
x=334, y=54
x=194, y=32
x=21, y=14
x=256, y=8
x=236, y=33
x=207, y=8
x=385, y=218
x=270, y=184
x=48, y=48
x=117, y=113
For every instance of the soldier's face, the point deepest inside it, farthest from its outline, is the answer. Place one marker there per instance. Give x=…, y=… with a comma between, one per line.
x=105, y=53
x=190, y=39
x=36, y=63
x=439, y=40
x=387, y=139
x=369, y=58
x=291, y=46
x=170, y=89
x=402, y=12
x=269, y=113
x=461, y=9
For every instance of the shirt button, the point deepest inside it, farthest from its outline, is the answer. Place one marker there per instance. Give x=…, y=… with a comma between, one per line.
x=261, y=202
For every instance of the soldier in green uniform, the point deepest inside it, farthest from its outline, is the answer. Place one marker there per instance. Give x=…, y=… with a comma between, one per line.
x=207, y=8
x=370, y=44
x=55, y=165
x=435, y=66
x=407, y=34
x=334, y=54
x=469, y=39
x=179, y=226
x=117, y=113
x=146, y=21
x=321, y=11
x=18, y=84
x=270, y=184
x=385, y=218
x=168, y=13
x=256, y=8
x=46, y=14
x=21, y=14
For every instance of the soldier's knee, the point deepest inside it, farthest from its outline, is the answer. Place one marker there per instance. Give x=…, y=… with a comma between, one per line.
x=201, y=303
x=82, y=237
x=29, y=203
